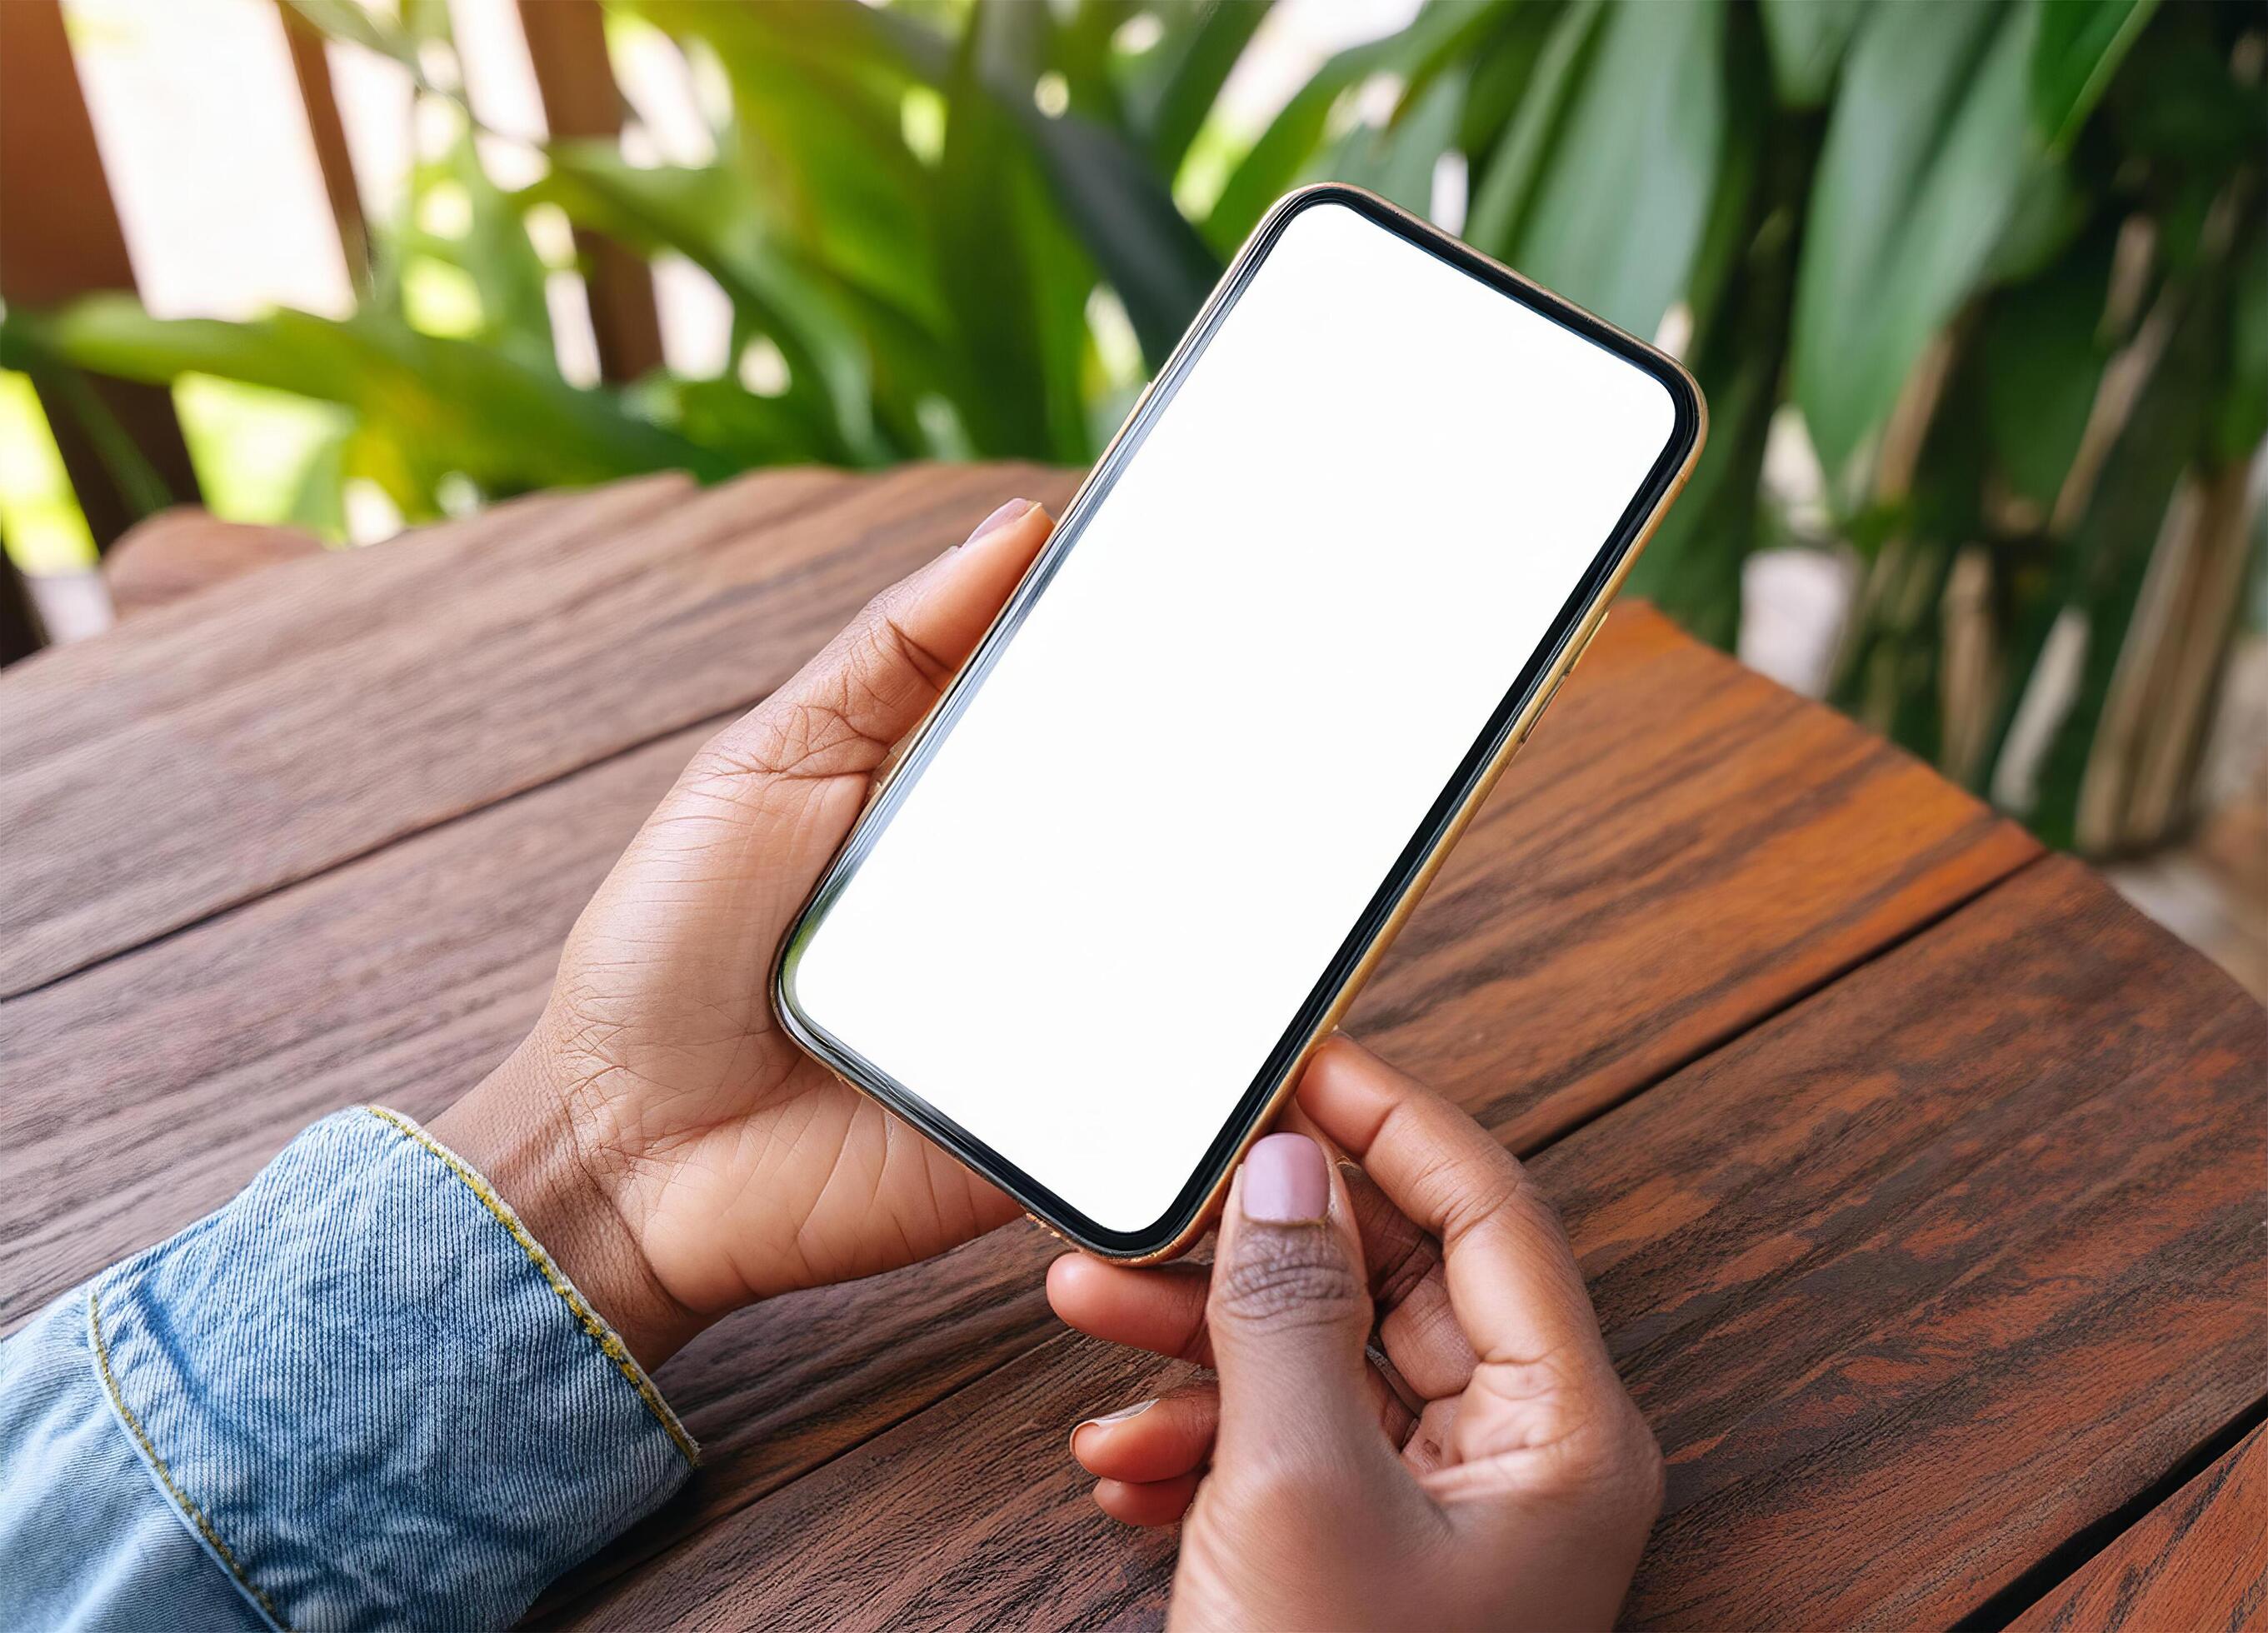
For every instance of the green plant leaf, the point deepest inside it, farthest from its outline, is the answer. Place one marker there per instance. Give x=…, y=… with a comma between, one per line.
x=1127, y=219
x=1925, y=151
x=1396, y=161
x=1693, y=567
x=1806, y=39
x=723, y=416
x=1287, y=150
x=2051, y=207
x=1510, y=177
x=1003, y=280
x=1119, y=208
x=357, y=24
x=2113, y=543
x=709, y=217
x=2082, y=43
x=2242, y=418
x=2178, y=105
x=1620, y=197
x=497, y=254
x=1083, y=49
x=444, y=405
x=1503, y=64
x=2043, y=355
x=1180, y=80
x=1760, y=166
x=817, y=90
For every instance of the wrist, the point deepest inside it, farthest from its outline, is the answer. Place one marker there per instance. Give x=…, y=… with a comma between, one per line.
x=520, y=1135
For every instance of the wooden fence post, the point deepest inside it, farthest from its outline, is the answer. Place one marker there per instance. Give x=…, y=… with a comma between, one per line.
x=325, y=129
x=567, y=45
x=62, y=238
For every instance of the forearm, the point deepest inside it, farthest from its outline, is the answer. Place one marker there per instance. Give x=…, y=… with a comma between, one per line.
x=362, y=1393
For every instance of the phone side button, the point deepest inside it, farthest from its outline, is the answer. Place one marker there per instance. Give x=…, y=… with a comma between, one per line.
x=1528, y=729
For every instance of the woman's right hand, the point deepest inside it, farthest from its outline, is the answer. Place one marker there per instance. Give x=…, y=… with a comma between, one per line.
x=1493, y=1472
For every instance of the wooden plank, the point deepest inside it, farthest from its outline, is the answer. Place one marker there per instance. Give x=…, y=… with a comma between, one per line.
x=154, y=1084
x=1691, y=816
x=2198, y=1560
x=63, y=239
x=322, y=707
x=180, y=552
x=233, y=1028
x=1915, y=1280
x=567, y=47
x=1940, y=1267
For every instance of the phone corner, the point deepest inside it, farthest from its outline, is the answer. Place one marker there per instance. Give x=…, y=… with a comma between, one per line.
x=1691, y=405
x=786, y=1004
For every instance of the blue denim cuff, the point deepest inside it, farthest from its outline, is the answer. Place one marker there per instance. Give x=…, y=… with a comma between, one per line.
x=371, y=1396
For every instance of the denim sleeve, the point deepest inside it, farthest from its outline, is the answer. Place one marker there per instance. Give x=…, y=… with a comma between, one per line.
x=360, y=1394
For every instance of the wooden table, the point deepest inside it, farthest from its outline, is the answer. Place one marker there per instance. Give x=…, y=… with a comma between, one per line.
x=1920, y=1182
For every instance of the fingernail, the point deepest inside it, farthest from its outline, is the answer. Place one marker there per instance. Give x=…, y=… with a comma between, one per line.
x=1118, y=1416
x=1286, y=1181
x=1122, y=1413
x=999, y=518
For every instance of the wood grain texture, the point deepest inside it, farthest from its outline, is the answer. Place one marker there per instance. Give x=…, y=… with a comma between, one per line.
x=1938, y=1267
x=2198, y=1560
x=1914, y=1280
x=1672, y=856
x=187, y=551
x=384, y=783
x=1758, y=844
x=314, y=711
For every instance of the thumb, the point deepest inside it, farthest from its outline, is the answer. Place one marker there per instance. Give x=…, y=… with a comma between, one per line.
x=841, y=712
x=1289, y=1313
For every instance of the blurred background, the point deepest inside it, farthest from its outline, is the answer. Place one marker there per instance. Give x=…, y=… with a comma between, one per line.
x=1977, y=290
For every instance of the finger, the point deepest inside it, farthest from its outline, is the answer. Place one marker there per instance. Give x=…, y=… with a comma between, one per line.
x=841, y=712
x=1155, y=1440
x=1289, y=1314
x=1419, y=1330
x=1160, y=1309
x=1161, y=1503
x=1511, y=1275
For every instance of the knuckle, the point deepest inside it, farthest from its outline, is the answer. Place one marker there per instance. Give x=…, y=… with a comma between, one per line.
x=1649, y=1471
x=1525, y=1193
x=1296, y=1276
x=1601, y=1453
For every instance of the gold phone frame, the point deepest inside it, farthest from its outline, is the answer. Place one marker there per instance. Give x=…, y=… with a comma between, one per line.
x=1194, y=1209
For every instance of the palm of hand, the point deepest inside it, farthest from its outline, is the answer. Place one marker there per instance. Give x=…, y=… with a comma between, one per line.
x=744, y=1167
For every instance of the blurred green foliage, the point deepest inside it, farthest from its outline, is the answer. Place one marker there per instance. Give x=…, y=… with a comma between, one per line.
x=2004, y=261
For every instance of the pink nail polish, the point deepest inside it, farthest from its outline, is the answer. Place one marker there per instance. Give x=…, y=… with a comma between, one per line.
x=1000, y=517
x=1285, y=1181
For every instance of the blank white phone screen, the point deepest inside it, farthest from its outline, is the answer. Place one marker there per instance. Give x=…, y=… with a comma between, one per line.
x=1268, y=648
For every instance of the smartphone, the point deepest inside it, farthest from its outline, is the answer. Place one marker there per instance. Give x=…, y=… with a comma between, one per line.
x=1144, y=850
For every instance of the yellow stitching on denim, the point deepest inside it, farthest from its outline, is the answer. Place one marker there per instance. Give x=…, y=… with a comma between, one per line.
x=164, y=1475
x=610, y=1343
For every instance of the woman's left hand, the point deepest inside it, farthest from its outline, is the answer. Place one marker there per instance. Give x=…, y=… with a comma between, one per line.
x=669, y=1144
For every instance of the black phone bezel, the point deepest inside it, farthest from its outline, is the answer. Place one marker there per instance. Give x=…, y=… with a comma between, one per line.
x=1042, y=1203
